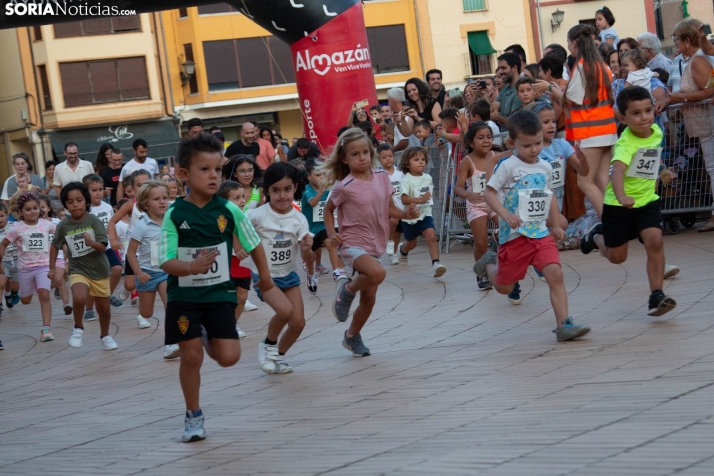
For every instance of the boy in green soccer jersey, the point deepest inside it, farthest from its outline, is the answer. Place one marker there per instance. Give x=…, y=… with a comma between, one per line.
x=198, y=236
x=632, y=207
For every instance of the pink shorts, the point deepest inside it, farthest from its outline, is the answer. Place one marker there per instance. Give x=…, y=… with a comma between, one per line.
x=60, y=263
x=32, y=279
x=478, y=210
x=515, y=256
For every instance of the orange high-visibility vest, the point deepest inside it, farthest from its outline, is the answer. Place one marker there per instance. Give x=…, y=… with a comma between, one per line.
x=585, y=121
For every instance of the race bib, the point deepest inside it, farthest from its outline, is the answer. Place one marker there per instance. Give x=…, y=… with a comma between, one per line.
x=280, y=253
x=154, y=254
x=423, y=191
x=219, y=272
x=104, y=218
x=76, y=244
x=645, y=164
x=318, y=211
x=336, y=225
x=558, y=172
x=478, y=182
x=397, y=188
x=36, y=242
x=533, y=205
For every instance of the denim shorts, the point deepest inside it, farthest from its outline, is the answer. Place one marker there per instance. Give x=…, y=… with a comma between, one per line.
x=415, y=230
x=157, y=277
x=289, y=281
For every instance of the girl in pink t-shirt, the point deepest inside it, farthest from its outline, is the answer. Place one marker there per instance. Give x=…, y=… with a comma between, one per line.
x=362, y=196
x=32, y=236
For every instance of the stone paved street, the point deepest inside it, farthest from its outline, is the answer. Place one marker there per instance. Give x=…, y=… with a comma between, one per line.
x=459, y=382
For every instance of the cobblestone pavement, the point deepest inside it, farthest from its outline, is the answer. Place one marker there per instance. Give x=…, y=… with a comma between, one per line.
x=459, y=382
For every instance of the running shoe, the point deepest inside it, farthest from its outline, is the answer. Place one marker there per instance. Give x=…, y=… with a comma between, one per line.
x=241, y=334
x=89, y=316
x=660, y=304
x=171, y=351
x=193, y=427
x=124, y=294
x=439, y=269
x=46, y=335
x=142, y=323
x=311, y=283
x=514, y=297
x=338, y=274
x=355, y=345
x=115, y=301
x=569, y=330
x=76, y=339
x=670, y=271
x=488, y=257
x=249, y=306
x=483, y=284
x=587, y=243
x=67, y=310
x=320, y=269
x=8, y=302
x=14, y=299
x=403, y=259
x=539, y=274
x=343, y=301
x=109, y=343
x=57, y=294
x=394, y=258
x=270, y=361
x=134, y=297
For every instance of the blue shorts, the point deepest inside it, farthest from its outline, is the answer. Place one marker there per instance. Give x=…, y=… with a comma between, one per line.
x=412, y=232
x=157, y=277
x=289, y=281
x=112, y=257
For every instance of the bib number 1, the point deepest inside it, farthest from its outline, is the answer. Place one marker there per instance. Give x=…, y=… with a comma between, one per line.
x=478, y=182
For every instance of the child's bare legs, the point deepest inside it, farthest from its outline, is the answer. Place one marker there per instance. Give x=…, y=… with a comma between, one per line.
x=105, y=315
x=59, y=284
x=407, y=246
x=479, y=230
x=553, y=274
x=190, y=371
x=90, y=303
x=593, y=185
x=129, y=282
x=318, y=256
x=297, y=320
x=242, y=298
x=309, y=258
x=146, y=303
x=370, y=276
x=114, y=278
x=45, y=306
x=335, y=260
x=279, y=303
x=492, y=274
x=394, y=235
x=430, y=236
x=652, y=238
x=80, y=292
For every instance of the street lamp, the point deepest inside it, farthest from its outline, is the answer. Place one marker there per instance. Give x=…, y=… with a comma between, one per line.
x=189, y=68
x=557, y=19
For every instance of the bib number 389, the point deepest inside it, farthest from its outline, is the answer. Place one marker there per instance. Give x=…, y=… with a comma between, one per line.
x=533, y=205
x=218, y=273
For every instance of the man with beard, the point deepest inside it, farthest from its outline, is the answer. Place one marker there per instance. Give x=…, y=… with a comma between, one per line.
x=509, y=70
x=433, y=78
x=246, y=145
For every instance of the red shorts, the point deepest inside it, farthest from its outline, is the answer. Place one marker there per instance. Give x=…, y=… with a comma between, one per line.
x=515, y=256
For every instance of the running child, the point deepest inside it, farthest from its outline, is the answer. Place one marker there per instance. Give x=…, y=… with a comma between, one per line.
x=143, y=254
x=195, y=250
x=104, y=212
x=472, y=174
x=240, y=275
x=89, y=271
x=314, y=199
x=122, y=227
x=362, y=195
x=10, y=276
x=284, y=233
x=61, y=291
x=632, y=207
x=416, y=190
x=385, y=154
x=31, y=235
x=519, y=192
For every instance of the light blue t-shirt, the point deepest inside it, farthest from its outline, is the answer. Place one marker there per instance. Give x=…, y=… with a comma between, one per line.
x=556, y=154
x=146, y=231
x=608, y=33
x=308, y=211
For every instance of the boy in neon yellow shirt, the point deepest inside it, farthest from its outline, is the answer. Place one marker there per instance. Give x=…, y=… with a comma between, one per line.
x=632, y=207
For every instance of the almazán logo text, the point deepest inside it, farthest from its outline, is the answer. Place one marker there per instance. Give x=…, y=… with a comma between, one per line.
x=321, y=64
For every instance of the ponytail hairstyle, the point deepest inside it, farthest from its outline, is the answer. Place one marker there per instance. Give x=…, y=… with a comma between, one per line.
x=595, y=72
x=336, y=169
x=607, y=15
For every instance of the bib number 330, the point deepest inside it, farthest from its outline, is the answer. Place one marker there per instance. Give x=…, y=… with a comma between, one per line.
x=218, y=273
x=534, y=205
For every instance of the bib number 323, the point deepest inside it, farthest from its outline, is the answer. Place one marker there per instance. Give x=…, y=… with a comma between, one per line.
x=534, y=205
x=218, y=273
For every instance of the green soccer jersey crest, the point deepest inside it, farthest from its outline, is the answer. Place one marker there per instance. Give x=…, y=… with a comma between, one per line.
x=187, y=230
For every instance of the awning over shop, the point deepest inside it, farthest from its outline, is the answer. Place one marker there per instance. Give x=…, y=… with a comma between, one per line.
x=480, y=43
x=162, y=137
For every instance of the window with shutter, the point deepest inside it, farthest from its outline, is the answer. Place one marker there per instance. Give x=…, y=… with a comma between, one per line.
x=133, y=78
x=37, y=32
x=388, y=49
x=104, y=81
x=45, y=85
x=126, y=23
x=183, y=12
x=215, y=8
x=65, y=30
x=76, y=88
x=254, y=63
x=283, y=72
x=221, y=64
x=98, y=26
x=97, y=82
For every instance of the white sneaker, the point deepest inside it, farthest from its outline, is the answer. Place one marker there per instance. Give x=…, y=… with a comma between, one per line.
x=171, y=351
x=142, y=323
x=124, y=294
x=670, y=271
x=249, y=306
x=109, y=343
x=76, y=339
x=270, y=361
x=241, y=334
x=394, y=259
x=439, y=269
x=338, y=274
x=403, y=260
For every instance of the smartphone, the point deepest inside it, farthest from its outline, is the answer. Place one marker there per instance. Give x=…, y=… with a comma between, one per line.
x=362, y=103
x=482, y=84
x=405, y=103
x=707, y=29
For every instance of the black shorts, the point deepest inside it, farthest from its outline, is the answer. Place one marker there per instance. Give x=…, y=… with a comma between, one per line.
x=320, y=239
x=620, y=224
x=113, y=258
x=243, y=283
x=399, y=227
x=184, y=320
x=127, y=269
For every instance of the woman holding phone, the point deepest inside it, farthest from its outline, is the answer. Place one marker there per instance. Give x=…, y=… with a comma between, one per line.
x=421, y=105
